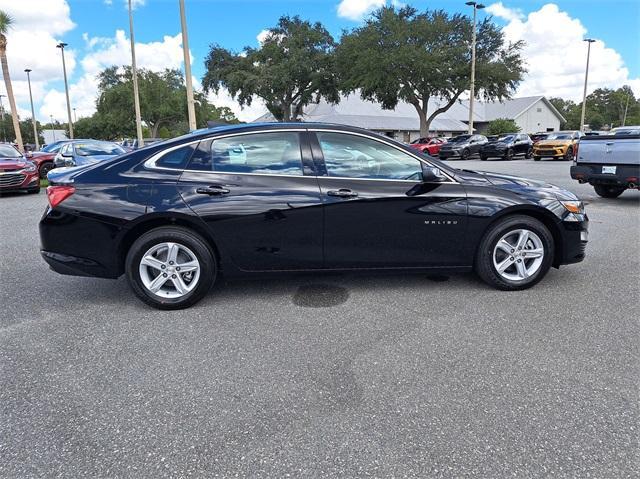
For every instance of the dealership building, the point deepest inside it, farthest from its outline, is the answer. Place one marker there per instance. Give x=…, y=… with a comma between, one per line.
x=531, y=114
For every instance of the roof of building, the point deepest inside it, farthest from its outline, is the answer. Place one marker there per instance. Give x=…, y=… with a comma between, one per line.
x=354, y=111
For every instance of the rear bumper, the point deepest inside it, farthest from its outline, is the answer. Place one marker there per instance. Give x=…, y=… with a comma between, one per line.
x=592, y=174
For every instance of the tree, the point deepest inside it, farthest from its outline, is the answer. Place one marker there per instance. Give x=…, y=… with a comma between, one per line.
x=500, y=126
x=403, y=55
x=26, y=130
x=5, y=24
x=293, y=67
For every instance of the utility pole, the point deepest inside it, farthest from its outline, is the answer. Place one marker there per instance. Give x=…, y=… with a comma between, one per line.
x=75, y=117
x=4, y=132
x=187, y=70
x=33, y=115
x=586, y=76
x=472, y=88
x=134, y=72
x=624, y=118
x=53, y=131
x=61, y=46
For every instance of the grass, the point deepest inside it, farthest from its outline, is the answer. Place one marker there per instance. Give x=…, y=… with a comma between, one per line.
x=44, y=183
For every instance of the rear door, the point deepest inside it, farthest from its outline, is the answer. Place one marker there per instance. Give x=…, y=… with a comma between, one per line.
x=377, y=211
x=259, y=196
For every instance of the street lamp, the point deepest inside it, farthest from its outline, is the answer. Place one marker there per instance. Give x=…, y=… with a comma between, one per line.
x=134, y=72
x=33, y=114
x=476, y=6
x=187, y=70
x=75, y=117
x=53, y=131
x=61, y=46
x=4, y=133
x=586, y=76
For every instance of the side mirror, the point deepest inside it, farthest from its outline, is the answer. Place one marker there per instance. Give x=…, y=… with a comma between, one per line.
x=28, y=154
x=431, y=174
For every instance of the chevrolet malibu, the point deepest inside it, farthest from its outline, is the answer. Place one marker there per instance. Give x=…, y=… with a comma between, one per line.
x=268, y=198
x=17, y=173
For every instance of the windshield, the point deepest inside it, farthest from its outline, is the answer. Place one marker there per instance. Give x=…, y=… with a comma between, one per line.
x=560, y=136
x=53, y=147
x=94, y=149
x=506, y=138
x=8, y=151
x=460, y=139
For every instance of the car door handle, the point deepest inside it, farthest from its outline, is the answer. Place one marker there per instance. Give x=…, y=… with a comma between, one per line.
x=212, y=190
x=342, y=193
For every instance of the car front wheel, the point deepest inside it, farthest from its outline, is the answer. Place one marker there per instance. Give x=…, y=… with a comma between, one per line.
x=44, y=169
x=170, y=268
x=515, y=253
x=465, y=154
x=568, y=156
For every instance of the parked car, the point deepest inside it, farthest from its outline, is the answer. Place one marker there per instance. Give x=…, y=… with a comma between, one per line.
x=559, y=145
x=507, y=147
x=610, y=163
x=536, y=137
x=250, y=199
x=17, y=173
x=44, y=158
x=86, y=152
x=431, y=146
x=462, y=146
x=626, y=130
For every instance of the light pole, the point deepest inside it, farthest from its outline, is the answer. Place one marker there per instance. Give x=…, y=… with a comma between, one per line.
x=75, y=117
x=187, y=70
x=472, y=89
x=134, y=72
x=586, y=76
x=33, y=115
x=4, y=133
x=53, y=131
x=61, y=46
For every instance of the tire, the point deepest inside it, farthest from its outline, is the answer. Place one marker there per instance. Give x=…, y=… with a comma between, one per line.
x=44, y=169
x=568, y=156
x=608, y=191
x=489, y=253
x=529, y=154
x=483, y=158
x=536, y=158
x=465, y=154
x=508, y=156
x=189, y=244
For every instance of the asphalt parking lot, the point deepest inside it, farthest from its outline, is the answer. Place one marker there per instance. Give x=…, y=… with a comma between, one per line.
x=340, y=375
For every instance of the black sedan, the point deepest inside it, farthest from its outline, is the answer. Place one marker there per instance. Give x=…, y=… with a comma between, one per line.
x=254, y=199
x=507, y=147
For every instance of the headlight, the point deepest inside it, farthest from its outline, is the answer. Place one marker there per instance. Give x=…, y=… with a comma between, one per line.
x=576, y=207
x=30, y=168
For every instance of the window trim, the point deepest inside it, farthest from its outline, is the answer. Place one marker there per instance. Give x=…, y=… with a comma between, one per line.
x=150, y=163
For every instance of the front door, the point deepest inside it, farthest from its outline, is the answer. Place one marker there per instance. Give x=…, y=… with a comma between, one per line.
x=377, y=211
x=259, y=196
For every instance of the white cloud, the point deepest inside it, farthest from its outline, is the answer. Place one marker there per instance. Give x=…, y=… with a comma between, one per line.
x=262, y=36
x=500, y=11
x=556, y=54
x=247, y=113
x=356, y=9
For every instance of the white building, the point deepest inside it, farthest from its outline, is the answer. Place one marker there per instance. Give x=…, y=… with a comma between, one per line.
x=531, y=114
x=53, y=135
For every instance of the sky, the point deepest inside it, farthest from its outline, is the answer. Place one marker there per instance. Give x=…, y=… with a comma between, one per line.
x=97, y=33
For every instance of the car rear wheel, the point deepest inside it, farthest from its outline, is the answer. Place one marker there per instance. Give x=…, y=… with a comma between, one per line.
x=529, y=154
x=170, y=268
x=608, y=191
x=536, y=158
x=515, y=253
x=483, y=157
x=508, y=155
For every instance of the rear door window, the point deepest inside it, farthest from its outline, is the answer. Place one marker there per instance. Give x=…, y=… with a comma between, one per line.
x=260, y=153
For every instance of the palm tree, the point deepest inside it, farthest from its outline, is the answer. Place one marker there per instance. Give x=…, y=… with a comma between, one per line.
x=5, y=23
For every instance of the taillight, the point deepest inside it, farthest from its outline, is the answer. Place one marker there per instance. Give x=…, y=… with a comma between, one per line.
x=57, y=194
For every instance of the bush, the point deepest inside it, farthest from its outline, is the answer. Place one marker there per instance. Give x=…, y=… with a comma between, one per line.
x=501, y=126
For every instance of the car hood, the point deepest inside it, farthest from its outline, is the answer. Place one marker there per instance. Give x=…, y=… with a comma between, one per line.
x=12, y=164
x=42, y=154
x=553, y=142
x=522, y=186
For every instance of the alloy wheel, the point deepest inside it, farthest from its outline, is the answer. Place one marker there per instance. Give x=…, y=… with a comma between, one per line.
x=169, y=270
x=518, y=255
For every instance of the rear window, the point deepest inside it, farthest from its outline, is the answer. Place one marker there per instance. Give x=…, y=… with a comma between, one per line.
x=260, y=153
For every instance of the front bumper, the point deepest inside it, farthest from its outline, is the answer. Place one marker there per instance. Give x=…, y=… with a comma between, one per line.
x=550, y=152
x=19, y=181
x=444, y=154
x=575, y=236
x=624, y=176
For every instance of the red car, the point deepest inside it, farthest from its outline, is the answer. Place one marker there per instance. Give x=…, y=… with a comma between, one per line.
x=16, y=172
x=44, y=158
x=430, y=146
